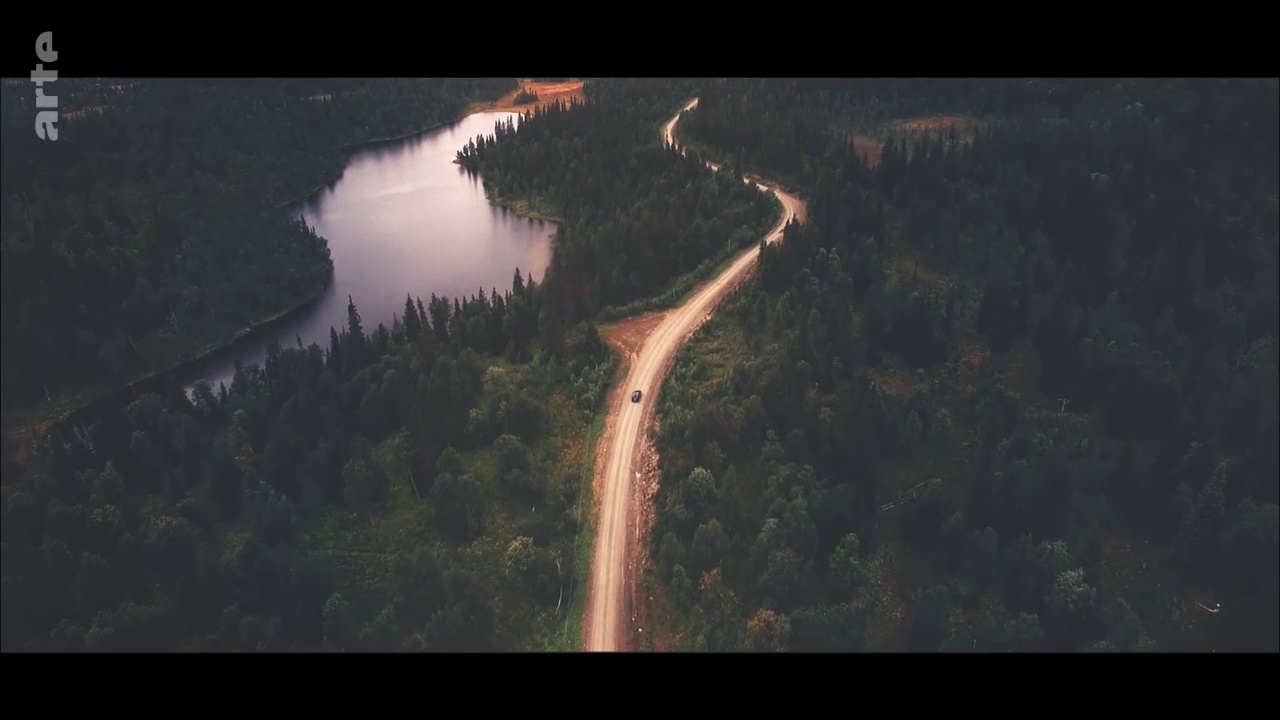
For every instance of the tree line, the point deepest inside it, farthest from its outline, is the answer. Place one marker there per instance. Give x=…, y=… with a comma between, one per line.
x=238, y=519
x=228, y=520
x=635, y=215
x=150, y=230
x=835, y=452
x=1104, y=480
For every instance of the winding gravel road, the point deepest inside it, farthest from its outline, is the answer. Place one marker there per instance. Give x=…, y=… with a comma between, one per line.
x=606, y=625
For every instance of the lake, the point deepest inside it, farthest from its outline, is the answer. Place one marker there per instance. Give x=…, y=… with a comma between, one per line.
x=402, y=219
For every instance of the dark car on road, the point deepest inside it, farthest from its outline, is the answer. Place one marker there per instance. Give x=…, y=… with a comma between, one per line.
x=635, y=396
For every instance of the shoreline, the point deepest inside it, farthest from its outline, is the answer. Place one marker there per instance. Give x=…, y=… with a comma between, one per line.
x=162, y=377
x=349, y=148
x=520, y=208
x=249, y=332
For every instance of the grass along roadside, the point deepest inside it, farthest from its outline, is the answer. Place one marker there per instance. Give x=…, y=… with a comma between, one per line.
x=372, y=546
x=786, y=182
x=703, y=368
x=570, y=639
x=677, y=292
x=684, y=286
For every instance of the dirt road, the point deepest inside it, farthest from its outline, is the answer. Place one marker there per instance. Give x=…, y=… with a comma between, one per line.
x=606, y=622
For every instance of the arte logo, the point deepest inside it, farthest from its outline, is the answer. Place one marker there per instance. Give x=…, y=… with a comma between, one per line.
x=46, y=120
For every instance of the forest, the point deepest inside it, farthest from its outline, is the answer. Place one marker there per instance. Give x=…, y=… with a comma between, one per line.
x=1013, y=388
x=635, y=215
x=150, y=231
x=402, y=489
x=413, y=488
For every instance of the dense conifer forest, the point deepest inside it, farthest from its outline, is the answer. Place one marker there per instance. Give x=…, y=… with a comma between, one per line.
x=418, y=487
x=372, y=495
x=150, y=231
x=635, y=215
x=1013, y=388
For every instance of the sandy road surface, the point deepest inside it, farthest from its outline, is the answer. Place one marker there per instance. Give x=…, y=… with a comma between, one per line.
x=606, y=622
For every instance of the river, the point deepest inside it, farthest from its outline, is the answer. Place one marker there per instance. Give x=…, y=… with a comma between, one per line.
x=402, y=219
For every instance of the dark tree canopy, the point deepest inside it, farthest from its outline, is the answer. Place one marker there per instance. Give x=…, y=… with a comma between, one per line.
x=150, y=230
x=1011, y=387
x=1055, y=328
x=635, y=215
x=181, y=523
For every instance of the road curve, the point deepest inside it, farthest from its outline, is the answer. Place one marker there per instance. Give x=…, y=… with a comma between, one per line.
x=606, y=621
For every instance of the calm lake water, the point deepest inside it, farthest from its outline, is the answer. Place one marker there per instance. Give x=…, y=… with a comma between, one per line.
x=403, y=219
